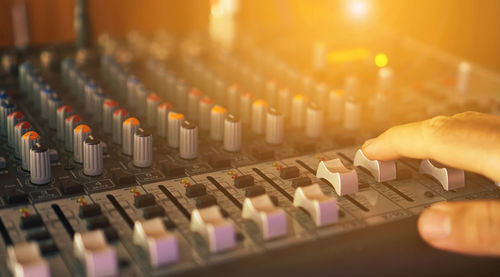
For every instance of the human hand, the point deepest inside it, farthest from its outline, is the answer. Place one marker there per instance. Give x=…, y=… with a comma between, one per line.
x=470, y=141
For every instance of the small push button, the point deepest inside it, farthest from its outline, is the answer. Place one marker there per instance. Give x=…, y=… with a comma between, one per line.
x=196, y=190
x=289, y=172
x=244, y=181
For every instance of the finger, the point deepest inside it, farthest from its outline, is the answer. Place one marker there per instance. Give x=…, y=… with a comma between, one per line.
x=403, y=140
x=465, y=227
x=469, y=141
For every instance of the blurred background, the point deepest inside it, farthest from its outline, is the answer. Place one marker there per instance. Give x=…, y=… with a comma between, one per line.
x=465, y=28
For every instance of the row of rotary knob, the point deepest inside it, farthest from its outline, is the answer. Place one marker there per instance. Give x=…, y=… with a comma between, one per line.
x=220, y=121
x=87, y=150
x=179, y=133
x=137, y=142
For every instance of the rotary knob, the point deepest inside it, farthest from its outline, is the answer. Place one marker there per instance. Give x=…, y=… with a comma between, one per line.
x=97, y=104
x=220, y=89
x=45, y=94
x=119, y=117
x=108, y=108
x=217, y=116
x=351, y=85
x=299, y=104
x=92, y=156
x=80, y=134
x=53, y=104
x=141, y=93
x=143, y=148
x=233, y=98
x=314, y=121
x=130, y=125
x=180, y=95
x=232, y=133
x=194, y=98
x=174, y=124
x=24, y=69
x=336, y=99
x=245, y=107
x=20, y=129
x=259, y=110
x=40, y=173
x=162, y=118
x=27, y=141
x=12, y=120
x=132, y=83
x=91, y=88
x=36, y=87
x=6, y=108
x=321, y=94
x=284, y=101
x=352, y=114
x=62, y=113
x=71, y=122
x=385, y=78
x=271, y=89
x=79, y=86
x=205, y=108
x=274, y=127
x=188, y=144
x=152, y=108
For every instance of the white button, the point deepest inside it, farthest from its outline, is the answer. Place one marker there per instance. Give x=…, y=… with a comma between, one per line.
x=161, y=245
x=382, y=170
x=345, y=181
x=449, y=177
x=24, y=260
x=321, y=208
x=217, y=231
x=270, y=219
x=93, y=250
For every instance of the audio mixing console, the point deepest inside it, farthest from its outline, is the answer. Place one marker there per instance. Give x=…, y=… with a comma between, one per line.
x=165, y=156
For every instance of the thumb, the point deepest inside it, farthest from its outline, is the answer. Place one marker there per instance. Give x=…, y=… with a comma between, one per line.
x=466, y=227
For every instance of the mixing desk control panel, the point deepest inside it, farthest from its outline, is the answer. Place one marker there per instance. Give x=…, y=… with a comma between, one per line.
x=122, y=160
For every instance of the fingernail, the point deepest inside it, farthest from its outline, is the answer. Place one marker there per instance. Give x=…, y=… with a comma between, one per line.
x=435, y=224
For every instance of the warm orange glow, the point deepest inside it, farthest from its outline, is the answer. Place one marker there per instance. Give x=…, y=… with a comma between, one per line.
x=219, y=109
x=358, y=8
x=176, y=115
x=349, y=55
x=32, y=135
x=132, y=121
x=260, y=102
x=381, y=60
x=82, y=128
